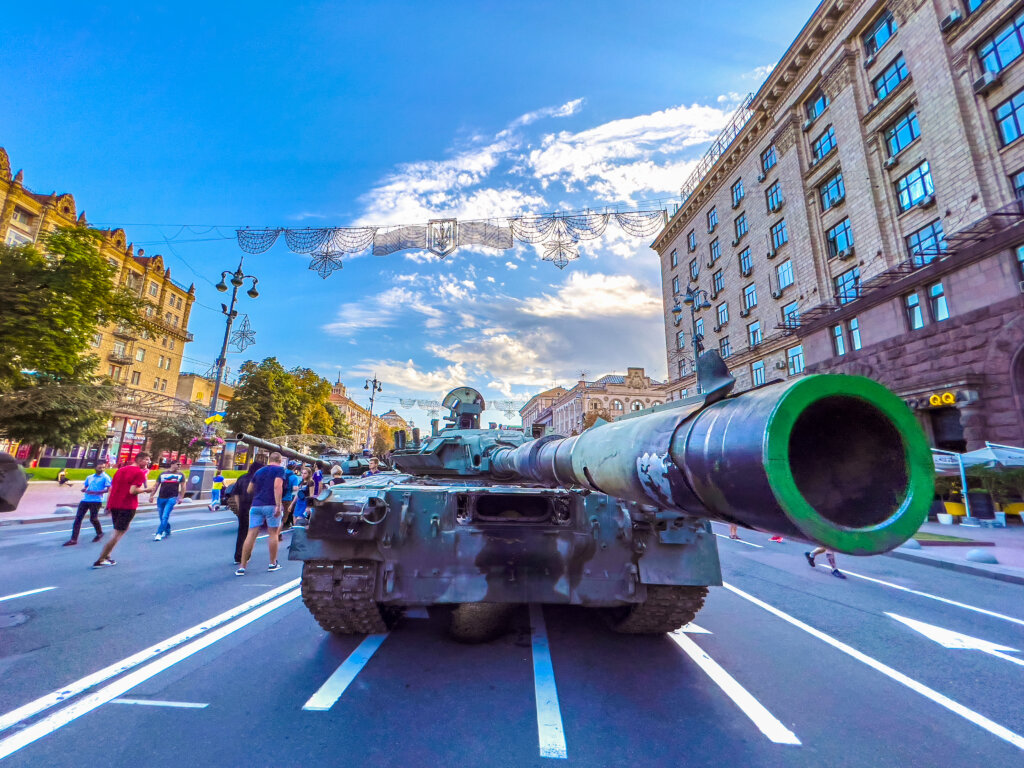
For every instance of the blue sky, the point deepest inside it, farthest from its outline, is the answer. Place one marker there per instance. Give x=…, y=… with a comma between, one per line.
x=332, y=114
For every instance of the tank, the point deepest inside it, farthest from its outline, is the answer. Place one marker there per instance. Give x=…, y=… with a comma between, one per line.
x=617, y=518
x=288, y=453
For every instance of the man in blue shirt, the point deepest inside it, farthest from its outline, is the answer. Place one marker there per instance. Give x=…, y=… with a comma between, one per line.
x=95, y=485
x=267, y=491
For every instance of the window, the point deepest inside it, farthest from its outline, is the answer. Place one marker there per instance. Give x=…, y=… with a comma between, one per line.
x=114, y=372
x=840, y=238
x=691, y=241
x=937, y=303
x=915, y=187
x=779, y=235
x=892, y=76
x=160, y=363
x=768, y=159
x=773, y=196
x=1020, y=259
x=712, y=219
x=699, y=326
x=716, y=251
x=140, y=355
x=816, y=105
x=912, y=306
x=113, y=263
x=824, y=144
x=853, y=326
x=1004, y=47
x=795, y=359
x=879, y=34
x=22, y=218
x=675, y=285
x=694, y=269
x=616, y=405
x=754, y=333
x=1010, y=118
x=838, y=341
x=171, y=344
x=746, y=264
x=784, y=273
x=847, y=285
x=636, y=405
x=682, y=368
x=136, y=378
x=1017, y=181
x=680, y=340
x=163, y=385
x=750, y=296
x=757, y=373
x=718, y=282
x=902, y=133
x=741, y=226
x=16, y=238
x=154, y=290
x=832, y=192
x=163, y=341
x=119, y=349
x=156, y=383
x=973, y=5
x=724, y=347
x=150, y=312
x=97, y=339
x=926, y=244
x=737, y=192
x=723, y=313
x=673, y=259
x=791, y=315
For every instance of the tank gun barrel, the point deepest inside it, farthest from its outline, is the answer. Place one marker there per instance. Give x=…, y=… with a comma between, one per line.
x=286, y=452
x=839, y=460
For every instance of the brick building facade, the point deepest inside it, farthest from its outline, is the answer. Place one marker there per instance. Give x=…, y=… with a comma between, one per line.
x=862, y=214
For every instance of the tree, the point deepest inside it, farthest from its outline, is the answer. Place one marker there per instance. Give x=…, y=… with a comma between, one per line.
x=593, y=415
x=270, y=401
x=173, y=433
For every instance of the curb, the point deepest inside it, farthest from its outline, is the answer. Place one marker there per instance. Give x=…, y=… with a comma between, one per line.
x=103, y=513
x=997, y=572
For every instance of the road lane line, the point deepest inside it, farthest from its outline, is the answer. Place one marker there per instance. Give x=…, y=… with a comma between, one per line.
x=741, y=541
x=51, y=533
x=955, y=707
x=73, y=689
x=157, y=703
x=86, y=704
x=550, y=733
x=267, y=534
x=23, y=594
x=197, y=527
x=946, y=600
x=765, y=721
x=335, y=685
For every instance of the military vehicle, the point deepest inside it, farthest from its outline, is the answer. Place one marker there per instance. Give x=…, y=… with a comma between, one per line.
x=353, y=464
x=617, y=517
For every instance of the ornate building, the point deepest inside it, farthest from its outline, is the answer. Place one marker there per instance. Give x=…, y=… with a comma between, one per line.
x=358, y=418
x=536, y=414
x=862, y=214
x=612, y=395
x=146, y=365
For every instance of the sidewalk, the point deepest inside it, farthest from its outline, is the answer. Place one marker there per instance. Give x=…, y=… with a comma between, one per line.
x=1008, y=549
x=41, y=500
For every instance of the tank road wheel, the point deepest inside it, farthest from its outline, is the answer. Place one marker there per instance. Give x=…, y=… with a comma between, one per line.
x=667, y=608
x=340, y=597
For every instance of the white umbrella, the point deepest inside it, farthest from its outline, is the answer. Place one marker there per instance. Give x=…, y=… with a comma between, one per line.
x=1006, y=455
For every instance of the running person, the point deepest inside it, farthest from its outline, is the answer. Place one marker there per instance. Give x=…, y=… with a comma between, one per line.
x=169, y=490
x=128, y=483
x=93, y=489
x=830, y=555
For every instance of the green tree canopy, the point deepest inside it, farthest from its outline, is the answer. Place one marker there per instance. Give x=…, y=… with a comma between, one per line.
x=173, y=433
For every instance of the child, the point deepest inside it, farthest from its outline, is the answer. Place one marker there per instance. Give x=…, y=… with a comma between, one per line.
x=218, y=486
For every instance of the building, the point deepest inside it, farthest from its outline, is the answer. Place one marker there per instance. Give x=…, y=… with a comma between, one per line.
x=611, y=395
x=862, y=214
x=394, y=421
x=193, y=388
x=358, y=417
x=145, y=365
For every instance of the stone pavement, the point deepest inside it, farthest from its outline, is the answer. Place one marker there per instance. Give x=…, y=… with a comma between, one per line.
x=1008, y=549
x=41, y=500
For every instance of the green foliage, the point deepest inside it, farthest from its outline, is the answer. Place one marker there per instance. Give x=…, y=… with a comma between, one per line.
x=173, y=433
x=1004, y=484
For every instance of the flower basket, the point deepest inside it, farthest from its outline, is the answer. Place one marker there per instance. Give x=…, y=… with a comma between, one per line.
x=204, y=441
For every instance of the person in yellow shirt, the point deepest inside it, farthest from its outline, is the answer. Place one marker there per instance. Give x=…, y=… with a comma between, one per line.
x=218, y=486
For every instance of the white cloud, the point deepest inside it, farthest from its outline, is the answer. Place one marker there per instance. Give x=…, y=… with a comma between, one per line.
x=759, y=74
x=596, y=295
x=567, y=109
x=511, y=265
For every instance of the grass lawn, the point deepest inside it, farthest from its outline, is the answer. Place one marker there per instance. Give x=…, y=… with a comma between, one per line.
x=922, y=536
x=50, y=473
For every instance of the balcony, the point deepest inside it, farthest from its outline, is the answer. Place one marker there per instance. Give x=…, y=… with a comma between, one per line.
x=125, y=333
x=120, y=358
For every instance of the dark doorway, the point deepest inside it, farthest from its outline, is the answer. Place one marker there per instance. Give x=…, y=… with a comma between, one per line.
x=948, y=431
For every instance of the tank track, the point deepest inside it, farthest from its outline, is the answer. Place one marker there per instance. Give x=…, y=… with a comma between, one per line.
x=340, y=597
x=667, y=608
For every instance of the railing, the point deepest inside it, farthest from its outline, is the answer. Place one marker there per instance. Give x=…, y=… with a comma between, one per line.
x=117, y=359
x=732, y=129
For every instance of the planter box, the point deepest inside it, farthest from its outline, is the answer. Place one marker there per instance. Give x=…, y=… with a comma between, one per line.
x=945, y=519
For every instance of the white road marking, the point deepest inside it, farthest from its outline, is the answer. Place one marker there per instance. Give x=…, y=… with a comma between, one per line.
x=156, y=703
x=549, y=716
x=267, y=534
x=108, y=693
x=741, y=541
x=947, y=638
x=945, y=600
x=23, y=594
x=765, y=721
x=335, y=685
x=197, y=527
x=73, y=689
x=51, y=533
x=955, y=707
x=694, y=629
x=417, y=613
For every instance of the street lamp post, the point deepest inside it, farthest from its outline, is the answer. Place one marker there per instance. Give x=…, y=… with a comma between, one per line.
x=200, y=476
x=696, y=299
x=374, y=386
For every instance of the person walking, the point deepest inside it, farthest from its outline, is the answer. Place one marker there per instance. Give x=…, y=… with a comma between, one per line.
x=303, y=491
x=734, y=531
x=93, y=489
x=215, y=491
x=169, y=490
x=267, y=489
x=830, y=555
x=243, y=502
x=128, y=483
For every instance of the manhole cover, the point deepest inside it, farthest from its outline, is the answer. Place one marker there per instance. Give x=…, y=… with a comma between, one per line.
x=8, y=620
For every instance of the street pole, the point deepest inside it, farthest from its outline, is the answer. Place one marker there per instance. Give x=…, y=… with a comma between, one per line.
x=374, y=386
x=696, y=299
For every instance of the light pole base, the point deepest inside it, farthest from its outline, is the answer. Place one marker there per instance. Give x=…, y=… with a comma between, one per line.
x=200, y=479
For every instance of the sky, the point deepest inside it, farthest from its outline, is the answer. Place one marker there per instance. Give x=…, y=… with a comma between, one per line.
x=181, y=122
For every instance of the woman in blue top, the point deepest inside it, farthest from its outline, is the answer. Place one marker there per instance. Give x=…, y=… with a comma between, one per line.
x=302, y=493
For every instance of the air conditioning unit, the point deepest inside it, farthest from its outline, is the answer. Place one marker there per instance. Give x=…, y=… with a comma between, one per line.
x=846, y=253
x=891, y=162
x=711, y=262
x=950, y=21
x=717, y=328
x=746, y=272
x=761, y=177
x=780, y=365
x=711, y=229
x=927, y=202
x=771, y=254
x=777, y=294
x=986, y=83
x=808, y=124
x=869, y=61
x=714, y=294
x=736, y=203
x=745, y=312
x=735, y=242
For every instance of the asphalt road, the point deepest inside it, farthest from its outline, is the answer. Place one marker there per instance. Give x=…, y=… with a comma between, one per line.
x=169, y=659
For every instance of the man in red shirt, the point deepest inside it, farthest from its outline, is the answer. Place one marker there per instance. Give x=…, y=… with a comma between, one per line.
x=129, y=481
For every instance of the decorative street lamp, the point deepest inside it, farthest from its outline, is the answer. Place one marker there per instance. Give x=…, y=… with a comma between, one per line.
x=696, y=299
x=200, y=477
x=374, y=386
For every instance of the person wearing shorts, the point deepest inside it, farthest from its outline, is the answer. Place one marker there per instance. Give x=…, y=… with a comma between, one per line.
x=267, y=491
x=129, y=481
